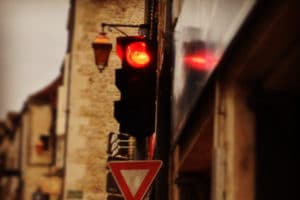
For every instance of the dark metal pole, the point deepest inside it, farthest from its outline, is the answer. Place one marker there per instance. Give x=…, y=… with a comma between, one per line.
x=141, y=149
x=163, y=129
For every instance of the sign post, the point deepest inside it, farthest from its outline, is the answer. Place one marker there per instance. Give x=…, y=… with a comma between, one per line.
x=134, y=177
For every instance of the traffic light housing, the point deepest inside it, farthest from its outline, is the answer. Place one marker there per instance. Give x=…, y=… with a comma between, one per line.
x=137, y=83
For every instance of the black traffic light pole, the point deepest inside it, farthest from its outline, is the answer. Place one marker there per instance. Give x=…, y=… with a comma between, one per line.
x=140, y=149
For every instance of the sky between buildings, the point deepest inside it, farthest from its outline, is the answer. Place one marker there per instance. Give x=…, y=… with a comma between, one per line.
x=33, y=38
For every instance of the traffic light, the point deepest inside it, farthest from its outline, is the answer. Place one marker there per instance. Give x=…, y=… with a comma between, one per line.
x=137, y=83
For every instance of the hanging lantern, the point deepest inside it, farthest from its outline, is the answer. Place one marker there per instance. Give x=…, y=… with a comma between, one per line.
x=102, y=48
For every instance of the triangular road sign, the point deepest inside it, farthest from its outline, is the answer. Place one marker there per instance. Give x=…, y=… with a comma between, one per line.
x=134, y=177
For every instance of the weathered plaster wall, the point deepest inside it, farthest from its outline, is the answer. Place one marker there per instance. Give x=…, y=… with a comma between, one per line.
x=35, y=121
x=61, y=115
x=25, y=124
x=40, y=121
x=93, y=94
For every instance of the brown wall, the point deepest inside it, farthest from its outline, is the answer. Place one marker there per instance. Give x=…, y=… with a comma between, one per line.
x=36, y=120
x=92, y=94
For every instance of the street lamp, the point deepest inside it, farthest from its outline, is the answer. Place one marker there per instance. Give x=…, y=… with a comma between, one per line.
x=102, y=48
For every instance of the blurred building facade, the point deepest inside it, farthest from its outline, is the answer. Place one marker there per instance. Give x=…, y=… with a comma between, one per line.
x=91, y=95
x=226, y=106
x=59, y=124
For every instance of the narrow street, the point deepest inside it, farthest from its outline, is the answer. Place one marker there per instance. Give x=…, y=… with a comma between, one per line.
x=162, y=100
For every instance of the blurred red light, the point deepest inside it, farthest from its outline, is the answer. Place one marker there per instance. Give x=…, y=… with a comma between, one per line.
x=137, y=55
x=119, y=51
x=201, y=61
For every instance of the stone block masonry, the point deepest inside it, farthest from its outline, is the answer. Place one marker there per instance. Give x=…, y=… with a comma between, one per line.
x=92, y=95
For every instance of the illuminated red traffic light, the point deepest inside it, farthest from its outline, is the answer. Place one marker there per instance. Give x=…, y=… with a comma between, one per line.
x=135, y=111
x=137, y=55
x=135, y=52
x=119, y=50
x=201, y=61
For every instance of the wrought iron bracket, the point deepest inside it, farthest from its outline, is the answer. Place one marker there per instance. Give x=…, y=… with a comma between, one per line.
x=142, y=27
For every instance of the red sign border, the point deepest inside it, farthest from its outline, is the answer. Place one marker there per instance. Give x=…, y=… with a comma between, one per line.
x=117, y=166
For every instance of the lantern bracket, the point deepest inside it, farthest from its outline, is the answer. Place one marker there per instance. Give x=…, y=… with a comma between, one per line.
x=142, y=27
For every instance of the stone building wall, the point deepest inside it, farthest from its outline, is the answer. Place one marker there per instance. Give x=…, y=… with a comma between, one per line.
x=14, y=149
x=25, y=124
x=36, y=120
x=92, y=95
x=61, y=116
x=12, y=163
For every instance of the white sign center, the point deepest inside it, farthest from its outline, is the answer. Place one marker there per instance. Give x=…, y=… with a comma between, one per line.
x=134, y=178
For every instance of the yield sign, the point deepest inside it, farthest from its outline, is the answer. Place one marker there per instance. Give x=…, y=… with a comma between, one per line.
x=134, y=177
